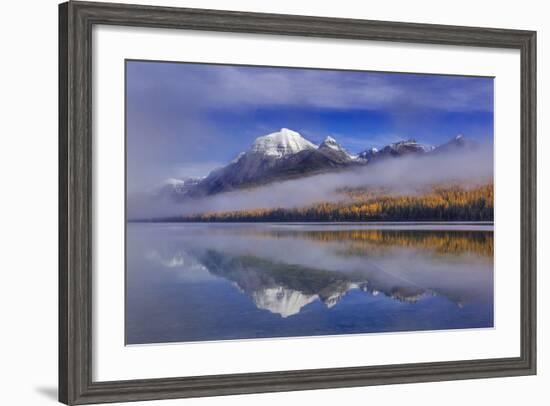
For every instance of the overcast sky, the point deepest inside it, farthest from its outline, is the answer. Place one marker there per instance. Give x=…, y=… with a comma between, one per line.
x=186, y=119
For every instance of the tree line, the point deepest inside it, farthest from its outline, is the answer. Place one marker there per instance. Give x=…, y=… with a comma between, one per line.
x=440, y=204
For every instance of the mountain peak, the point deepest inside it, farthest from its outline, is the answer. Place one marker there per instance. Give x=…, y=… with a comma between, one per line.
x=176, y=188
x=368, y=154
x=281, y=143
x=289, y=132
x=408, y=146
x=457, y=143
x=331, y=143
x=285, y=154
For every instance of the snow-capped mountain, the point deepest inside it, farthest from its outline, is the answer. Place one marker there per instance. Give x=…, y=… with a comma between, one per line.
x=396, y=149
x=281, y=143
x=456, y=144
x=286, y=154
x=179, y=184
x=176, y=189
x=277, y=156
x=367, y=154
x=331, y=143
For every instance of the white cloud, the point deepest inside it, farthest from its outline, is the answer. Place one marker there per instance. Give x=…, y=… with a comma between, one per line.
x=230, y=87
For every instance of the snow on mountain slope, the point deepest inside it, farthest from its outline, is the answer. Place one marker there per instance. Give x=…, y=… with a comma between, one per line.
x=281, y=143
x=282, y=301
x=176, y=188
x=368, y=154
x=457, y=143
x=180, y=183
x=396, y=149
x=285, y=154
x=330, y=143
x=407, y=146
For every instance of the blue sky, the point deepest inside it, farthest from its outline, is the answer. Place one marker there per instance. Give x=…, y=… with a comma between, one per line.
x=185, y=119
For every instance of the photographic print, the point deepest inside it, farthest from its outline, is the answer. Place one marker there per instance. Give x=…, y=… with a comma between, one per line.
x=268, y=202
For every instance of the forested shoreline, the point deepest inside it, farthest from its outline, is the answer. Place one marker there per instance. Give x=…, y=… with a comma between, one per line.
x=440, y=204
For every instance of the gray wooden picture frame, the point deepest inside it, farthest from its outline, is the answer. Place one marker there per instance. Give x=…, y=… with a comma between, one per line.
x=76, y=20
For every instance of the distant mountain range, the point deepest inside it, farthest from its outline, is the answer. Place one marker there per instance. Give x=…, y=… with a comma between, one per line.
x=285, y=154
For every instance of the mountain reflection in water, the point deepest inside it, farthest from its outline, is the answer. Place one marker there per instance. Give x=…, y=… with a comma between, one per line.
x=190, y=282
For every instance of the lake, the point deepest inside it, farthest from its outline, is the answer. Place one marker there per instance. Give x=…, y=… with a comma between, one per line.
x=202, y=281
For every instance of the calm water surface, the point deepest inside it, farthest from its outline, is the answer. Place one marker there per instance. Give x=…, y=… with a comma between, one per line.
x=193, y=282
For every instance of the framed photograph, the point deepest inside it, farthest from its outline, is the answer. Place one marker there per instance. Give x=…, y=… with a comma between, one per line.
x=258, y=202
